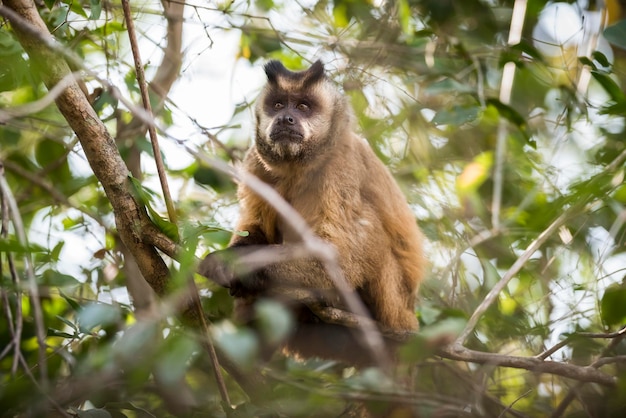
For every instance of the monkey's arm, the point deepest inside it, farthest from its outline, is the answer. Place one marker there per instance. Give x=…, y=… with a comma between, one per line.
x=270, y=269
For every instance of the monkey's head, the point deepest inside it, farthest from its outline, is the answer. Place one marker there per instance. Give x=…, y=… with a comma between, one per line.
x=298, y=114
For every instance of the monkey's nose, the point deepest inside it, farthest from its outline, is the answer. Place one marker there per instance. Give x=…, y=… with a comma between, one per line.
x=288, y=119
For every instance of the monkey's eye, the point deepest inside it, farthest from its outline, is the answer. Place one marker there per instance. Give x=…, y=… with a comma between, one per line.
x=303, y=107
x=278, y=105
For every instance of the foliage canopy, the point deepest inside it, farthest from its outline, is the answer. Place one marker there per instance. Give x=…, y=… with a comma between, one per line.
x=518, y=183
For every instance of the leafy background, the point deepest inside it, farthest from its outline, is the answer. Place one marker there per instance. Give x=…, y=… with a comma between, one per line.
x=526, y=193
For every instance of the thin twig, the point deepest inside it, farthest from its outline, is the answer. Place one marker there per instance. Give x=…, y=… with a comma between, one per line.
x=72, y=58
x=593, y=366
x=15, y=325
x=585, y=73
x=209, y=347
x=506, y=87
x=145, y=97
x=40, y=180
x=33, y=288
x=515, y=268
x=547, y=353
x=38, y=105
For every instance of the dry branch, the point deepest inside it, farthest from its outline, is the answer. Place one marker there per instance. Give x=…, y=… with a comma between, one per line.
x=141, y=80
x=533, y=364
x=583, y=374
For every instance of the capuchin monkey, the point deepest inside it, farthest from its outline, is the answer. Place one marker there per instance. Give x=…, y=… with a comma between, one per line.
x=307, y=151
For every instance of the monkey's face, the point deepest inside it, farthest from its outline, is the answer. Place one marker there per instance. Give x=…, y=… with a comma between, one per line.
x=290, y=126
x=294, y=114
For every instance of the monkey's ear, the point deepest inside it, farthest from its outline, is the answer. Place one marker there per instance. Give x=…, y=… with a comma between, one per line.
x=314, y=73
x=274, y=69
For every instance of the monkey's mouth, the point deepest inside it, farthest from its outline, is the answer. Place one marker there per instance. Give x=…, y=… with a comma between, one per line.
x=286, y=135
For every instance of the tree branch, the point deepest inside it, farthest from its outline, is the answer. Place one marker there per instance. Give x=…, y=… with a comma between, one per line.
x=99, y=147
x=533, y=364
x=6, y=195
x=583, y=374
x=141, y=80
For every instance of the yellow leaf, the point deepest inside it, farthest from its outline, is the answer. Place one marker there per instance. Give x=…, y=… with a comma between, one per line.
x=475, y=173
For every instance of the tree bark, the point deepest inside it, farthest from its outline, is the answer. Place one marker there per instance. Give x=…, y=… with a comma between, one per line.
x=98, y=145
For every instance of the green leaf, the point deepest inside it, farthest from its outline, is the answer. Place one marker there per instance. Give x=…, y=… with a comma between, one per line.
x=141, y=412
x=241, y=344
x=601, y=58
x=610, y=86
x=97, y=315
x=526, y=48
x=67, y=322
x=614, y=109
x=174, y=359
x=56, y=251
x=11, y=245
x=73, y=304
x=451, y=327
x=109, y=28
x=587, y=61
x=616, y=34
x=275, y=321
x=56, y=333
x=265, y=5
x=217, y=180
x=448, y=85
x=94, y=413
x=76, y=7
x=371, y=378
x=168, y=228
x=144, y=195
x=96, y=9
x=509, y=113
x=340, y=14
x=620, y=194
x=57, y=279
x=613, y=306
x=8, y=45
x=136, y=339
x=457, y=116
x=51, y=153
x=404, y=15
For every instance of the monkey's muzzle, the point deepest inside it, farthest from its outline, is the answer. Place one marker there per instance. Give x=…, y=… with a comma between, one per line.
x=284, y=134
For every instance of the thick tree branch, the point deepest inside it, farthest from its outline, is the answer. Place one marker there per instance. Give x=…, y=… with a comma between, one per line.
x=99, y=147
x=131, y=219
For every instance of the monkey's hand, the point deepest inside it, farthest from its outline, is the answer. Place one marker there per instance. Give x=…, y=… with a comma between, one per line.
x=218, y=268
x=230, y=268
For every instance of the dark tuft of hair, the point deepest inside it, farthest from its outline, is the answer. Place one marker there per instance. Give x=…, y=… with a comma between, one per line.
x=275, y=69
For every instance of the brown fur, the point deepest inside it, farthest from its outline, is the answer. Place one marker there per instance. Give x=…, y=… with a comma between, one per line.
x=311, y=156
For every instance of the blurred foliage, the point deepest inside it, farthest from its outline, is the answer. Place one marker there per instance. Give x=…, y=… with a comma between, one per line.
x=424, y=78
